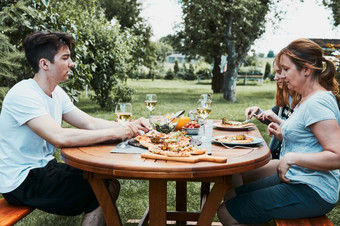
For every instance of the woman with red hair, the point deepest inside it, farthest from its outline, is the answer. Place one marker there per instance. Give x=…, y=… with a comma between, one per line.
x=305, y=181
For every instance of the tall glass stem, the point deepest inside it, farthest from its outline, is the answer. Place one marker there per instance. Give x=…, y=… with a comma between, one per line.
x=204, y=127
x=123, y=143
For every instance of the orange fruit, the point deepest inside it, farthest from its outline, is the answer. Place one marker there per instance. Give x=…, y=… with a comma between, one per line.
x=182, y=122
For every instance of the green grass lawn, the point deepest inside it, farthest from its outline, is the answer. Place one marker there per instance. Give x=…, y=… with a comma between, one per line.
x=172, y=97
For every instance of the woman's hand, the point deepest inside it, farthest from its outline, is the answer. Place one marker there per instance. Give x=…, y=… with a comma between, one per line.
x=275, y=130
x=269, y=115
x=251, y=112
x=284, y=166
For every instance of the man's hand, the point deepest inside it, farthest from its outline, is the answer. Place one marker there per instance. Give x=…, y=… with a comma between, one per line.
x=133, y=129
x=142, y=124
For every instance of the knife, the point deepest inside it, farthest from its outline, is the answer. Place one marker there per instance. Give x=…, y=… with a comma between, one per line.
x=176, y=115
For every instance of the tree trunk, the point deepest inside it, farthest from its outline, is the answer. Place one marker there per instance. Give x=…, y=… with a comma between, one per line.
x=229, y=92
x=217, y=79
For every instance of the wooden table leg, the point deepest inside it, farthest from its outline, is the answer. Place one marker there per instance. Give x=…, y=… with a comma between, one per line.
x=213, y=202
x=181, y=198
x=157, y=202
x=102, y=193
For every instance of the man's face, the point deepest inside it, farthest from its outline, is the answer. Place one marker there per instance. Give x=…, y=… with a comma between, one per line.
x=62, y=65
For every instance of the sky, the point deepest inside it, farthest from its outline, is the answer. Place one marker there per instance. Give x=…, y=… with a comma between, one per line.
x=302, y=20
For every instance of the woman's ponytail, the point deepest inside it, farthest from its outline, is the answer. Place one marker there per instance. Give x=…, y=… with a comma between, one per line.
x=328, y=80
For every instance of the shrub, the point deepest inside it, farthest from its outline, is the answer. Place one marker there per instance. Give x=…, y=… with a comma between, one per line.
x=122, y=93
x=180, y=74
x=190, y=73
x=170, y=75
x=204, y=73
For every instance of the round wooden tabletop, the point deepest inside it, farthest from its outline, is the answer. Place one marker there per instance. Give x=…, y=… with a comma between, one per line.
x=98, y=159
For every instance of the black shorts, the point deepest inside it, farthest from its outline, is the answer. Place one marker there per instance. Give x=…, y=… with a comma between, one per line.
x=56, y=188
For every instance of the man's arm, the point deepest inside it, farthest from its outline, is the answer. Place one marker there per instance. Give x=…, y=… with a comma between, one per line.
x=53, y=133
x=81, y=120
x=89, y=130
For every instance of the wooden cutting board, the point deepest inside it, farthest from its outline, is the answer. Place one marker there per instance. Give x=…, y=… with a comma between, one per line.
x=192, y=159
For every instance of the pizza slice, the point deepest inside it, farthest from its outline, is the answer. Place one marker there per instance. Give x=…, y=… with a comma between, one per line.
x=237, y=139
x=230, y=123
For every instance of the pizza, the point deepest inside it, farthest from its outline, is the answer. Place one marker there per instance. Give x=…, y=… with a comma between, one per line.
x=161, y=139
x=176, y=151
x=236, y=139
x=173, y=144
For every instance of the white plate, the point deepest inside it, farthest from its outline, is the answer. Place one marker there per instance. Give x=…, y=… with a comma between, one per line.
x=256, y=141
x=233, y=128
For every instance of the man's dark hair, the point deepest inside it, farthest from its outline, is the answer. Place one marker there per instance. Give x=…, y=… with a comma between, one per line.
x=45, y=45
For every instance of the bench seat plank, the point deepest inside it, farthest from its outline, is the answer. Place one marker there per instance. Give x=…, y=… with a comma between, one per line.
x=10, y=214
x=311, y=221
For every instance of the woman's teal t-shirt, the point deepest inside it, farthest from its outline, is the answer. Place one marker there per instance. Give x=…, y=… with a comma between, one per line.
x=298, y=137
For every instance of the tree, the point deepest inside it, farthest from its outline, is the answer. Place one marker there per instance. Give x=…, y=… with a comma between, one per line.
x=163, y=49
x=214, y=28
x=267, y=70
x=126, y=12
x=334, y=5
x=9, y=62
x=103, y=53
x=128, y=15
x=10, y=56
x=176, y=67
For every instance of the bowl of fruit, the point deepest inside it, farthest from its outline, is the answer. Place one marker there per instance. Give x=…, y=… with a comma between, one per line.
x=192, y=128
x=162, y=123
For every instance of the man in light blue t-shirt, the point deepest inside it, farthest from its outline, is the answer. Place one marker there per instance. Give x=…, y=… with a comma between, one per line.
x=30, y=130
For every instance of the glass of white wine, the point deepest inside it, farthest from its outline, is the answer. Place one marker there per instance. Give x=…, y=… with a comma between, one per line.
x=206, y=96
x=150, y=101
x=123, y=114
x=203, y=110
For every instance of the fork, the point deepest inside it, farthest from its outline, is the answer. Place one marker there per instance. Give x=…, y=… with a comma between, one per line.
x=232, y=147
x=248, y=119
x=245, y=121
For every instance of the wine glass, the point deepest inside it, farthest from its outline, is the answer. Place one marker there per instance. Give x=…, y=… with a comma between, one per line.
x=123, y=114
x=150, y=101
x=203, y=110
x=206, y=96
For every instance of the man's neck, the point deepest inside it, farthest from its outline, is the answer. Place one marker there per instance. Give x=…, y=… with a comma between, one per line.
x=45, y=84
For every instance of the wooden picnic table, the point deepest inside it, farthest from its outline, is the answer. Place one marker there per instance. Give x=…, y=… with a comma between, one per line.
x=98, y=164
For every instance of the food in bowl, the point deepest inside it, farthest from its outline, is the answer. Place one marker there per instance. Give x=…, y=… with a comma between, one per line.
x=162, y=123
x=192, y=125
x=192, y=128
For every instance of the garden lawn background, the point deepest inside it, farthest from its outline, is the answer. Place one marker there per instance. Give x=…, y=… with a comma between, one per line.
x=172, y=96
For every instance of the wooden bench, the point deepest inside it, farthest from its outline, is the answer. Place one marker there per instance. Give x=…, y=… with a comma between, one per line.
x=10, y=214
x=311, y=221
x=250, y=78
